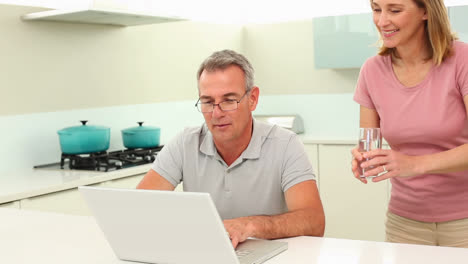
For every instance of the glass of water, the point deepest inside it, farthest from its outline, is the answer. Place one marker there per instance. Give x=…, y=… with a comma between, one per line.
x=369, y=138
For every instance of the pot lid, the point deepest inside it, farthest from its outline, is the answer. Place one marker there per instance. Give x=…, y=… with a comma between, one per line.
x=82, y=128
x=140, y=127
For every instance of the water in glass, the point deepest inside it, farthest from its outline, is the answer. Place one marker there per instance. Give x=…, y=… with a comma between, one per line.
x=369, y=139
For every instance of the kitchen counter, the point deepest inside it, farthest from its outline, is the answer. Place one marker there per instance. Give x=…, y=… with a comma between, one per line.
x=20, y=184
x=48, y=238
x=306, y=139
x=26, y=183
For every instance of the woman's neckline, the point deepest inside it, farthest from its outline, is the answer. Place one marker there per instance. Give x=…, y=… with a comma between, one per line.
x=412, y=87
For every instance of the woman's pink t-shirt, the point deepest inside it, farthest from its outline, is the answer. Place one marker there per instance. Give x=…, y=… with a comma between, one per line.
x=427, y=118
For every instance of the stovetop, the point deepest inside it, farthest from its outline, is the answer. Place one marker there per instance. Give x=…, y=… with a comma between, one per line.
x=104, y=161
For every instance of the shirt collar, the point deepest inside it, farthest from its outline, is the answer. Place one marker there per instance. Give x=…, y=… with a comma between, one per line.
x=207, y=145
x=253, y=150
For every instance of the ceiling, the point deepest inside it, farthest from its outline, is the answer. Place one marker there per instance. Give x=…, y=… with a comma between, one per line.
x=222, y=11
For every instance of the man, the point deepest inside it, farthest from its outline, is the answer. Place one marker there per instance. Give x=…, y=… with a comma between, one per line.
x=258, y=175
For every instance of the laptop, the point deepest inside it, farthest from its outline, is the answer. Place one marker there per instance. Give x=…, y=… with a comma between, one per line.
x=170, y=227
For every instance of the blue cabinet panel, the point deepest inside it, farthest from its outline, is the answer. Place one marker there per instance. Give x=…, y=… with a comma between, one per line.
x=344, y=41
x=459, y=21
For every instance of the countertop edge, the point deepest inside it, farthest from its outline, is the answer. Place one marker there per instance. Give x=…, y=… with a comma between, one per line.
x=108, y=176
x=330, y=141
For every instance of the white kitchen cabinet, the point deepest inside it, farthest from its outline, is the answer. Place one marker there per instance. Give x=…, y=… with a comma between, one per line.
x=15, y=205
x=67, y=202
x=71, y=202
x=312, y=153
x=353, y=210
x=131, y=183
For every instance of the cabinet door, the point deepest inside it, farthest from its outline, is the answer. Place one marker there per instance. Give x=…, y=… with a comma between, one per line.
x=131, y=183
x=67, y=202
x=344, y=41
x=126, y=183
x=312, y=153
x=353, y=210
x=10, y=205
x=459, y=21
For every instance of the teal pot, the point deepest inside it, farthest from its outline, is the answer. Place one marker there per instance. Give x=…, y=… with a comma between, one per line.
x=84, y=139
x=141, y=136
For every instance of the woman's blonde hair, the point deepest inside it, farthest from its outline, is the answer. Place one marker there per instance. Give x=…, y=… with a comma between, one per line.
x=437, y=29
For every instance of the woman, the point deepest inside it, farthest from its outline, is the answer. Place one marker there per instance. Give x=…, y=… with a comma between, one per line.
x=416, y=91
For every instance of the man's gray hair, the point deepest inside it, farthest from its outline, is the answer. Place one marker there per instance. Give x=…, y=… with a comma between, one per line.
x=221, y=60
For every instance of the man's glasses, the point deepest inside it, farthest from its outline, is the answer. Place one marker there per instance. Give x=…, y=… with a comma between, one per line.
x=228, y=105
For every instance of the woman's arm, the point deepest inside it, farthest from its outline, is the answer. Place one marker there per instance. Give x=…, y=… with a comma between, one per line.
x=368, y=117
x=400, y=165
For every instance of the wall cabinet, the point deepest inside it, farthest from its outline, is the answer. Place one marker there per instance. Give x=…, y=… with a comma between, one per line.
x=344, y=41
x=347, y=41
x=458, y=20
x=353, y=210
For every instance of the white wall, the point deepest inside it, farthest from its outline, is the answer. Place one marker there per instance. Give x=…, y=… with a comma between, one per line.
x=326, y=116
x=282, y=54
x=243, y=11
x=49, y=66
x=31, y=139
x=55, y=74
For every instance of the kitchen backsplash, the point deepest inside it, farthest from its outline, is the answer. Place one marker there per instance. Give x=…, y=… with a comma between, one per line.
x=32, y=139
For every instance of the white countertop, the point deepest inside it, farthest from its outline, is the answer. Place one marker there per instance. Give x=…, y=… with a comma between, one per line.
x=20, y=184
x=307, y=139
x=48, y=238
x=26, y=183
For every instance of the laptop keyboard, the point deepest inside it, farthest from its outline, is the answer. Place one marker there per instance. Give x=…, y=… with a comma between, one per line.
x=242, y=253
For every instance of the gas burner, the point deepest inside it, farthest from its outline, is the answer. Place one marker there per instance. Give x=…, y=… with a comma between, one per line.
x=109, y=160
x=92, y=161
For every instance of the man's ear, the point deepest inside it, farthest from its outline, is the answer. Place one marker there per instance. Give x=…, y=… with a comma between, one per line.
x=253, y=98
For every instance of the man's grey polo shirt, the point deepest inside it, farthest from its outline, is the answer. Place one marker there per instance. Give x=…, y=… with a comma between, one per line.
x=254, y=184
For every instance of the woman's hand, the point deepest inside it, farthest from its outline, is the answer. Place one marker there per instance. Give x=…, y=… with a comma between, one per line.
x=388, y=163
x=355, y=164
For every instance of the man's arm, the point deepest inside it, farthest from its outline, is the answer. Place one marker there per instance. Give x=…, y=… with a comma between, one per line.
x=305, y=217
x=154, y=181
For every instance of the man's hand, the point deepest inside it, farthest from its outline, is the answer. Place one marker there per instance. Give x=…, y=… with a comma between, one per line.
x=305, y=217
x=239, y=229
